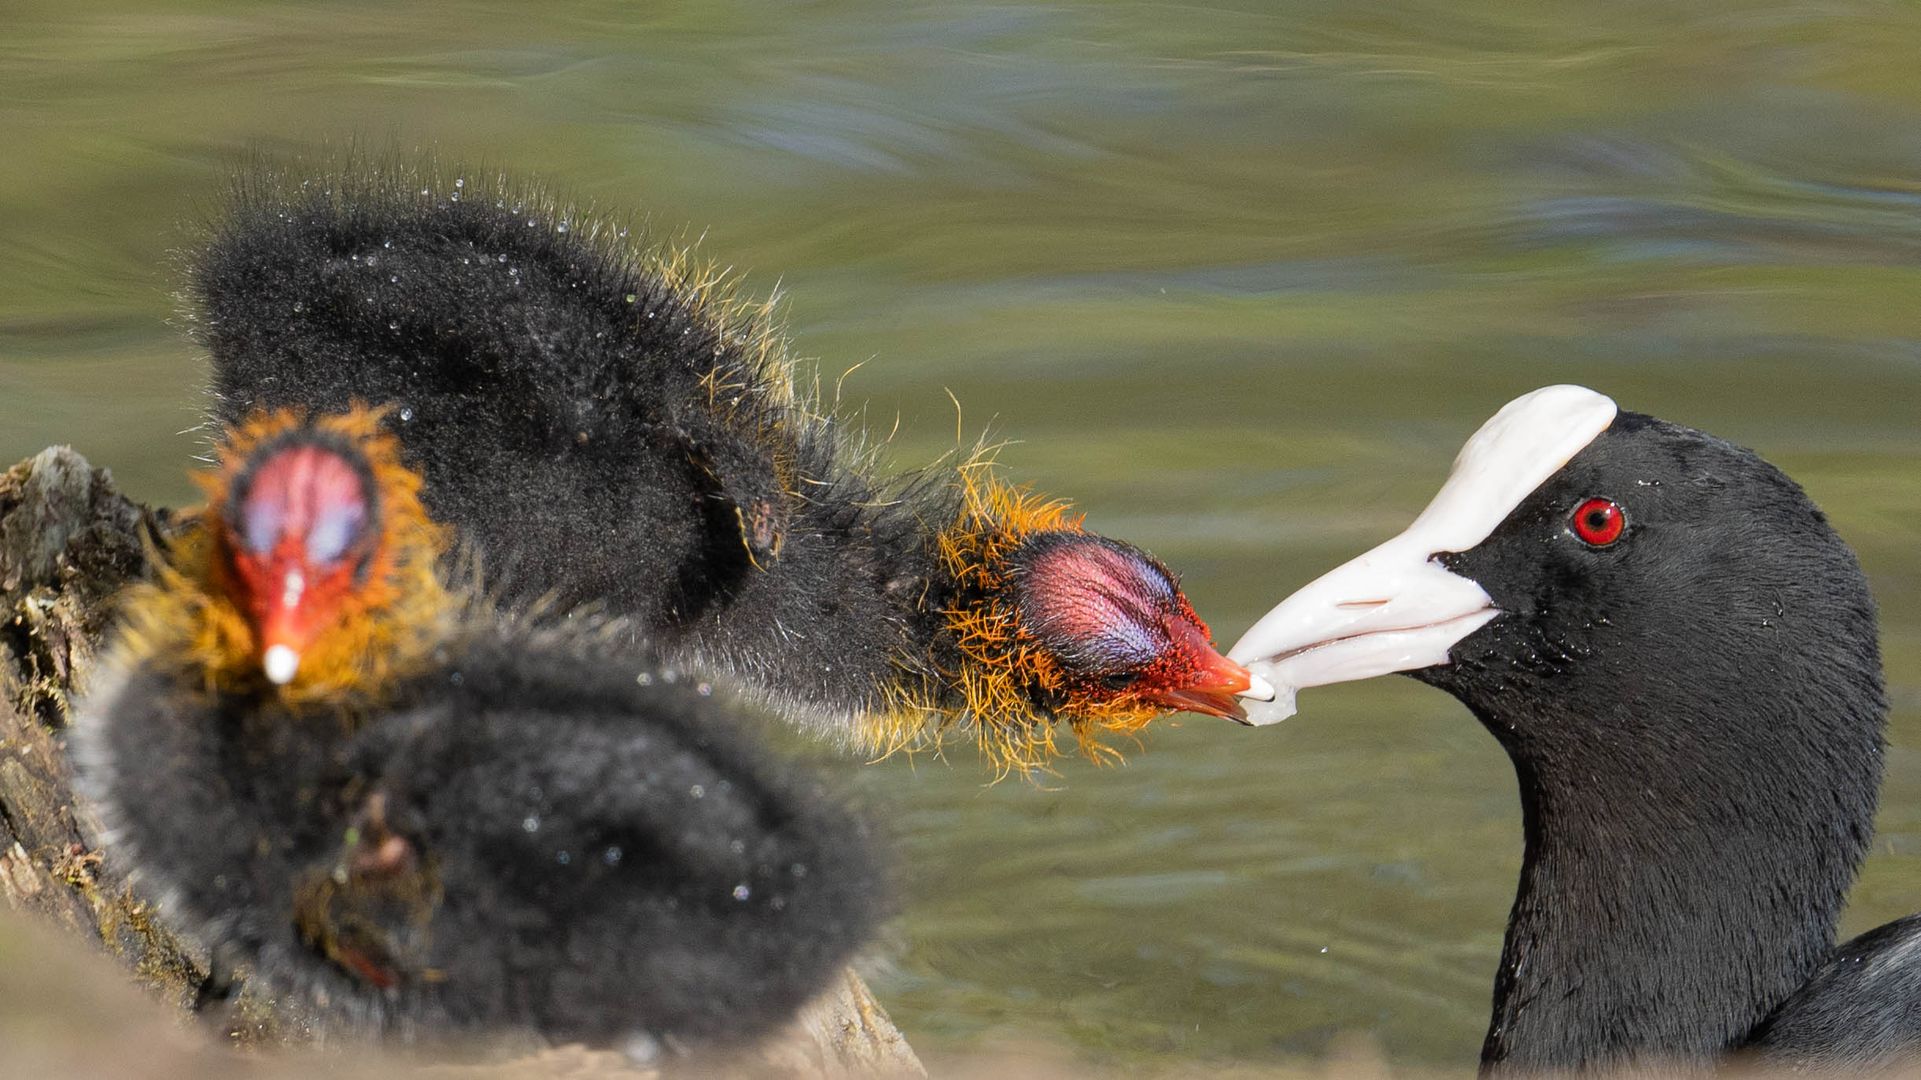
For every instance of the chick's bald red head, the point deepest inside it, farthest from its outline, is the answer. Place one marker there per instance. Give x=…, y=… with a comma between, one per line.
x=300, y=534
x=313, y=570
x=1120, y=627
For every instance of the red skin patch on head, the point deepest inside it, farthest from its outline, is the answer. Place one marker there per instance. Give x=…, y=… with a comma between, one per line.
x=1097, y=603
x=1123, y=631
x=297, y=532
x=296, y=491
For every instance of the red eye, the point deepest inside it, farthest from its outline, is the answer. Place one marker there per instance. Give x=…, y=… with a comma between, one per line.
x=1598, y=522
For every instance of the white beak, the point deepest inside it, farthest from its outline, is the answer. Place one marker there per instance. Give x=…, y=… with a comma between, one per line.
x=1396, y=608
x=1392, y=609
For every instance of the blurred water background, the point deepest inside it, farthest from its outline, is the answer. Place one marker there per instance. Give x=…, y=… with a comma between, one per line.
x=1238, y=278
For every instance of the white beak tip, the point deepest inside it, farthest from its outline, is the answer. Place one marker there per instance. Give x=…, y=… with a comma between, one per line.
x=1258, y=689
x=280, y=663
x=1277, y=706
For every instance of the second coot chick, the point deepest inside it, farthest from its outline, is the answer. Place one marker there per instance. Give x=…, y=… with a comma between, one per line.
x=608, y=423
x=421, y=818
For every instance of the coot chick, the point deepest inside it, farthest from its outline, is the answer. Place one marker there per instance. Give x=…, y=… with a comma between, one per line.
x=609, y=423
x=1680, y=656
x=421, y=818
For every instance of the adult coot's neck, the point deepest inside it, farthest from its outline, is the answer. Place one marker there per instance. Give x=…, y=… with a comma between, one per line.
x=1675, y=886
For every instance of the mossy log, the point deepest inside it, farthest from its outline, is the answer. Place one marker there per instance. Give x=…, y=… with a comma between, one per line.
x=68, y=542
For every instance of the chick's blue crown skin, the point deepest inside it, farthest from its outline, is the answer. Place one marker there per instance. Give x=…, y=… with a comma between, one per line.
x=1099, y=604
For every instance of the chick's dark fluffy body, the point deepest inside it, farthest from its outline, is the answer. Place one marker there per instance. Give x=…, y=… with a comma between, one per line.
x=525, y=839
x=592, y=418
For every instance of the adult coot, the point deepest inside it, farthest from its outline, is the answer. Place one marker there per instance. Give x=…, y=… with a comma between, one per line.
x=1680, y=656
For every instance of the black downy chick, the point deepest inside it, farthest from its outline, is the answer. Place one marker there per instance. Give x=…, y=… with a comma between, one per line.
x=423, y=819
x=1680, y=656
x=609, y=424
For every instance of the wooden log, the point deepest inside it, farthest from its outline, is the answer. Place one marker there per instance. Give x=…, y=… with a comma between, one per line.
x=69, y=541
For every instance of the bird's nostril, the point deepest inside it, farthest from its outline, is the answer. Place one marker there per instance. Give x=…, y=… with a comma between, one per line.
x=1351, y=604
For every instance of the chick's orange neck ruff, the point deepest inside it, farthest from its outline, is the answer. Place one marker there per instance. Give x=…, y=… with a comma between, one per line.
x=314, y=570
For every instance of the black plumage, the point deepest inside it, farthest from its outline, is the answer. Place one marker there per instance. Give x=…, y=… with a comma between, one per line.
x=1696, y=716
x=1680, y=656
x=601, y=422
x=1860, y=1011
x=607, y=424
x=473, y=824
x=583, y=856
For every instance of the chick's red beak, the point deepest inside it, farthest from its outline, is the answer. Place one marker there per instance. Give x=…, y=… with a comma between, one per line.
x=283, y=616
x=1205, y=681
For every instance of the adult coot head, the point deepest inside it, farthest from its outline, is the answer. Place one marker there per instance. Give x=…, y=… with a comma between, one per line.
x=1680, y=656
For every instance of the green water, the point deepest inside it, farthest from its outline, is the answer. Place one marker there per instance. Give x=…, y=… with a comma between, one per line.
x=1238, y=278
